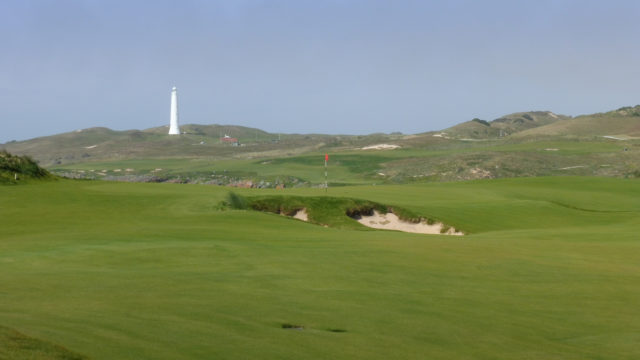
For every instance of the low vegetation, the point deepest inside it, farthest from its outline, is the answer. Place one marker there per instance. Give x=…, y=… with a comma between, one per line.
x=14, y=169
x=534, y=143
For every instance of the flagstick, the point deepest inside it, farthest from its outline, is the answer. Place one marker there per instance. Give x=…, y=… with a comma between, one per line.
x=326, y=185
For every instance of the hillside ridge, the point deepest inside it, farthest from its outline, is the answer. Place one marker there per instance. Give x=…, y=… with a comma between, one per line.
x=534, y=143
x=503, y=126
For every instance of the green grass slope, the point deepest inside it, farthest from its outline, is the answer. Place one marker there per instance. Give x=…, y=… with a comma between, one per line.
x=129, y=271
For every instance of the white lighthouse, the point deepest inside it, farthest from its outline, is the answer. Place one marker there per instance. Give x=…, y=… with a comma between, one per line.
x=174, y=129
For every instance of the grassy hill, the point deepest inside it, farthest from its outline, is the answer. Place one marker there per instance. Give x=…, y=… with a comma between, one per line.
x=132, y=271
x=198, y=141
x=503, y=126
x=101, y=143
x=440, y=160
x=621, y=123
x=532, y=144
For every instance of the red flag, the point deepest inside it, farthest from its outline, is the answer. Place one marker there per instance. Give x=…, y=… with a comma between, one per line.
x=326, y=157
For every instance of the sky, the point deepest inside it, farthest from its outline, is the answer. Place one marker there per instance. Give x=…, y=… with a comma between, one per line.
x=310, y=66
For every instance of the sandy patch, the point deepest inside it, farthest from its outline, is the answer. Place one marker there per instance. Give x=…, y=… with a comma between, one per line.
x=301, y=215
x=390, y=221
x=550, y=149
x=613, y=137
x=381, y=147
x=480, y=173
x=441, y=135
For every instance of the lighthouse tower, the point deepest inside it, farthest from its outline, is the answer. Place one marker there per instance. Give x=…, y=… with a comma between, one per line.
x=174, y=129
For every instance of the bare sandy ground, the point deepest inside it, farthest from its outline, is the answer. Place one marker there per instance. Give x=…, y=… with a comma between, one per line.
x=301, y=215
x=381, y=147
x=572, y=167
x=621, y=137
x=390, y=221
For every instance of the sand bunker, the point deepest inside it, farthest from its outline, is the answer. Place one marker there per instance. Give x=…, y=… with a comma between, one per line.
x=301, y=215
x=381, y=147
x=390, y=221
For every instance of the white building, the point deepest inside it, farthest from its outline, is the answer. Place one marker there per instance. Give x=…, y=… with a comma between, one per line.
x=174, y=128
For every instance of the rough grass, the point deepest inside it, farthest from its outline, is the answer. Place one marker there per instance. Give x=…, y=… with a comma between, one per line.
x=336, y=212
x=17, y=169
x=132, y=271
x=446, y=160
x=325, y=210
x=17, y=346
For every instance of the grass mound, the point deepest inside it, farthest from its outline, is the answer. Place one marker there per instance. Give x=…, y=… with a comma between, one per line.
x=15, y=168
x=336, y=212
x=329, y=211
x=15, y=345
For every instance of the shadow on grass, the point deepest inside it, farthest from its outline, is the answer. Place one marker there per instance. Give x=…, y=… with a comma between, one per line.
x=15, y=345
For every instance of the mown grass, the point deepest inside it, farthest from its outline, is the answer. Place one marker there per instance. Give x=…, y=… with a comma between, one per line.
x=129, y=271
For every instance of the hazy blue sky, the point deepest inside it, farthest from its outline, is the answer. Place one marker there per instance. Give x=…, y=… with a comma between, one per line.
x=310, y=66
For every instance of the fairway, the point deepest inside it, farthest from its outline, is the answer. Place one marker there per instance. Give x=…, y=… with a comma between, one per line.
x=549, y=269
